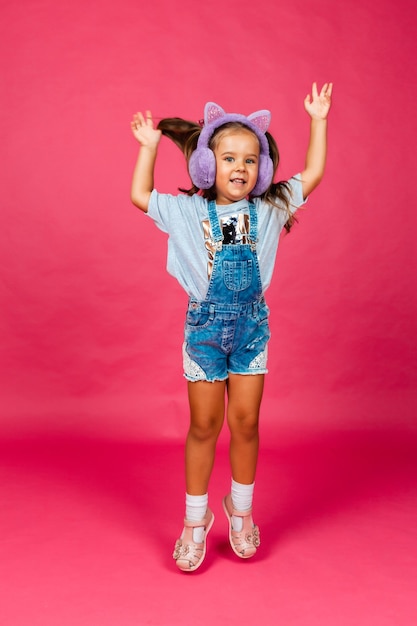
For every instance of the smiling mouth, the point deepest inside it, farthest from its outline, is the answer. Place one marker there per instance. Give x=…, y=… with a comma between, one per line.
x=237, y=181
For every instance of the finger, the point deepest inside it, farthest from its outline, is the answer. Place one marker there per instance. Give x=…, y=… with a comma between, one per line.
x=136, y=123
x=329, y=89
x=314, y=90
x=140, y=119
x=149, y=119
x=324, y=90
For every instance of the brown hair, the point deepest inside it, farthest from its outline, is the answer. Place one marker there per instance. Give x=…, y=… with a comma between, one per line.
x=185, y=135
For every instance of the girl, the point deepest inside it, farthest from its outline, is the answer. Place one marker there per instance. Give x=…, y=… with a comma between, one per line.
x=223, y=238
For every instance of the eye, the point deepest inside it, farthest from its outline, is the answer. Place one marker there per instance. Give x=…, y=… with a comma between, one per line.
x=229, y=159
x=251, y=161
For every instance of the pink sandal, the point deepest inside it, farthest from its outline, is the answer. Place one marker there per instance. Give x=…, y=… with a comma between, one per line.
x=245, y=542
x=188, y=554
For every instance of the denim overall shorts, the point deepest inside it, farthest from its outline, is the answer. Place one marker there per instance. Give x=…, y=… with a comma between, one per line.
x=228, y=331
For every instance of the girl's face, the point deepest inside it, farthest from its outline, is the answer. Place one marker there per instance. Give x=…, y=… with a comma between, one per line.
x=237, y=163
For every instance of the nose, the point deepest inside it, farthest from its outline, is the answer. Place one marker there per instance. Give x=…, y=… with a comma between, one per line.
x=240, y=165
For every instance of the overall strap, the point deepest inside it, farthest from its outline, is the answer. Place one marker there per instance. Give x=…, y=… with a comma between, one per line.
x=253, y=223
x=214, y=222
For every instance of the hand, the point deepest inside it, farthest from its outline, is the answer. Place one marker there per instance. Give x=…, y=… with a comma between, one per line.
x=318, y=104
x=143, y=130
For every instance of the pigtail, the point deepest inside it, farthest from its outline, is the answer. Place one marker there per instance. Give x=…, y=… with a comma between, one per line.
x=278, y=194
x=185, y=135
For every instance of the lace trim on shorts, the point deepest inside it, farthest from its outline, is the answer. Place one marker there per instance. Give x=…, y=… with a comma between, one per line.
x=191, y=368
x=259, y=362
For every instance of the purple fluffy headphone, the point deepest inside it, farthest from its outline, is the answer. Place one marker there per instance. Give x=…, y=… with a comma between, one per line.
x=202, y=164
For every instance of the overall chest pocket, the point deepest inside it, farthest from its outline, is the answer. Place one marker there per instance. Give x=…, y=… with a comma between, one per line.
x=237, y=275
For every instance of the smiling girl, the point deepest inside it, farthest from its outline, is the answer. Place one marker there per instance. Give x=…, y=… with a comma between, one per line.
x=223, y=239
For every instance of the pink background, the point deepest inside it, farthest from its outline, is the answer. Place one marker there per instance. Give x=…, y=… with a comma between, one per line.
x=91, y=324
x=93, y=408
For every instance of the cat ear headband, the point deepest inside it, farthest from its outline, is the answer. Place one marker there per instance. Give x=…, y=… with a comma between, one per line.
x=202, y=163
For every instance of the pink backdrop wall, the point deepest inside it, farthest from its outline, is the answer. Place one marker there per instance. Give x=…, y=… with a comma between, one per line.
x=91, y=325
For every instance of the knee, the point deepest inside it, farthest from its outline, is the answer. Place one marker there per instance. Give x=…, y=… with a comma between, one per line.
x=205, y=430
x=244, y=425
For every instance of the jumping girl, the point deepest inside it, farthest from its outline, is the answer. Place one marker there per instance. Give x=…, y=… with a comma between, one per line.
x=223, y=239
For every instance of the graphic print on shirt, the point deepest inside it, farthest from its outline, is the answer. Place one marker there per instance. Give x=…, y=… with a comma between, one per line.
x=235, y=229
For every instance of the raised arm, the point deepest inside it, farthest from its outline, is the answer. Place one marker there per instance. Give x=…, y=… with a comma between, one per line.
x=317, y=106
x=148, y=137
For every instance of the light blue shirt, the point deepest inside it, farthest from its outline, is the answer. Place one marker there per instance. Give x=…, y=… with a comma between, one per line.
x=185, y=219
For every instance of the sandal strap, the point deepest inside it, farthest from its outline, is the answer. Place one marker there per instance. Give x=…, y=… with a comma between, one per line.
x=237, y=513
x=197, y=524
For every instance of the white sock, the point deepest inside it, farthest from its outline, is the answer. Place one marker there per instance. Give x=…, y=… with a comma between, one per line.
x=242, y=498
x=195, y=510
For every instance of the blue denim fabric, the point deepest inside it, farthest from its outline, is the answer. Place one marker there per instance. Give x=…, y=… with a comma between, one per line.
x=228, y=332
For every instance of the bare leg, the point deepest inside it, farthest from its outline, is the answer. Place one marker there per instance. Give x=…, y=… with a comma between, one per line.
x=245, y=395
x=206, y=420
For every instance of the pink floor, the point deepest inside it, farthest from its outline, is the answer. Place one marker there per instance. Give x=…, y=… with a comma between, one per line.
x=88, y=524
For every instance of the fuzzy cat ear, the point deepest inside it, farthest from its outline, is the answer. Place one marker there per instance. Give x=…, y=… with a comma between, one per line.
x=212, y=112
x=261, y=119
